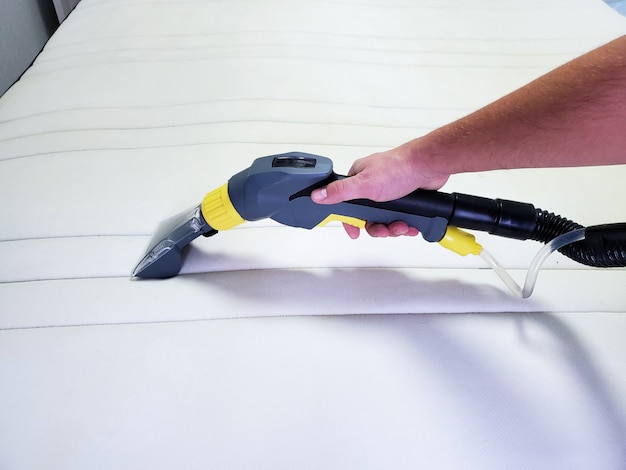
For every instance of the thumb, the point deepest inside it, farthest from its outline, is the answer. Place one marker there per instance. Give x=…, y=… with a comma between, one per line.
x=337, y=191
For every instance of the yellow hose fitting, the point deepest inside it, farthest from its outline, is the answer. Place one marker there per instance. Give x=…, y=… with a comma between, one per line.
x=461, y=242
x=218, y=210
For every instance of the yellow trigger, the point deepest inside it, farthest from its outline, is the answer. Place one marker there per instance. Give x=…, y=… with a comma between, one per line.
x=343, y=218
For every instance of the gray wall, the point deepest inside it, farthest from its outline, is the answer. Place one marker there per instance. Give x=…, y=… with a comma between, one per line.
x=25, y=26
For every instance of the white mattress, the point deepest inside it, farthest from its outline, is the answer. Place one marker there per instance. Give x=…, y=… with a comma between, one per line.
x=134, y=110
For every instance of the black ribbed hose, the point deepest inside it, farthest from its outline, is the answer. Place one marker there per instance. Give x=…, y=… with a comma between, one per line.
x=604, y=246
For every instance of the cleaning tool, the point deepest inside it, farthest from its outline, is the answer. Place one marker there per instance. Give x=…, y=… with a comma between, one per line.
x=279, y=187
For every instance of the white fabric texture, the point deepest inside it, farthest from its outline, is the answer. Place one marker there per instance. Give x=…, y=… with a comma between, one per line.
x=134, y=110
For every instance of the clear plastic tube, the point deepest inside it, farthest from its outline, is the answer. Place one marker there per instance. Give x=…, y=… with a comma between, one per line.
x=535, y=266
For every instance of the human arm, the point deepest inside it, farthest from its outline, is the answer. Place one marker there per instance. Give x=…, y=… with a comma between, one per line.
x=574, y=115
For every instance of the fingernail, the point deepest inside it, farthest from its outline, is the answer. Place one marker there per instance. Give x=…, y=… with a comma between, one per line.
x=319, y=194
x=399, y=231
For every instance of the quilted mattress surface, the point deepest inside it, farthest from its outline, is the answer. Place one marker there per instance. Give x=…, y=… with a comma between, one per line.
x=279, y=347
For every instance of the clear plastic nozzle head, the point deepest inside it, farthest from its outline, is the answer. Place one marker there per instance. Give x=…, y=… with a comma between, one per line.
x=163, y=257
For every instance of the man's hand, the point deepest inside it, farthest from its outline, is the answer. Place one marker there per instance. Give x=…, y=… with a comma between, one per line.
x=382, y=177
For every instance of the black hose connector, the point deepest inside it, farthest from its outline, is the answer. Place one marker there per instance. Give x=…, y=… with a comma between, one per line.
x=604, y=246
